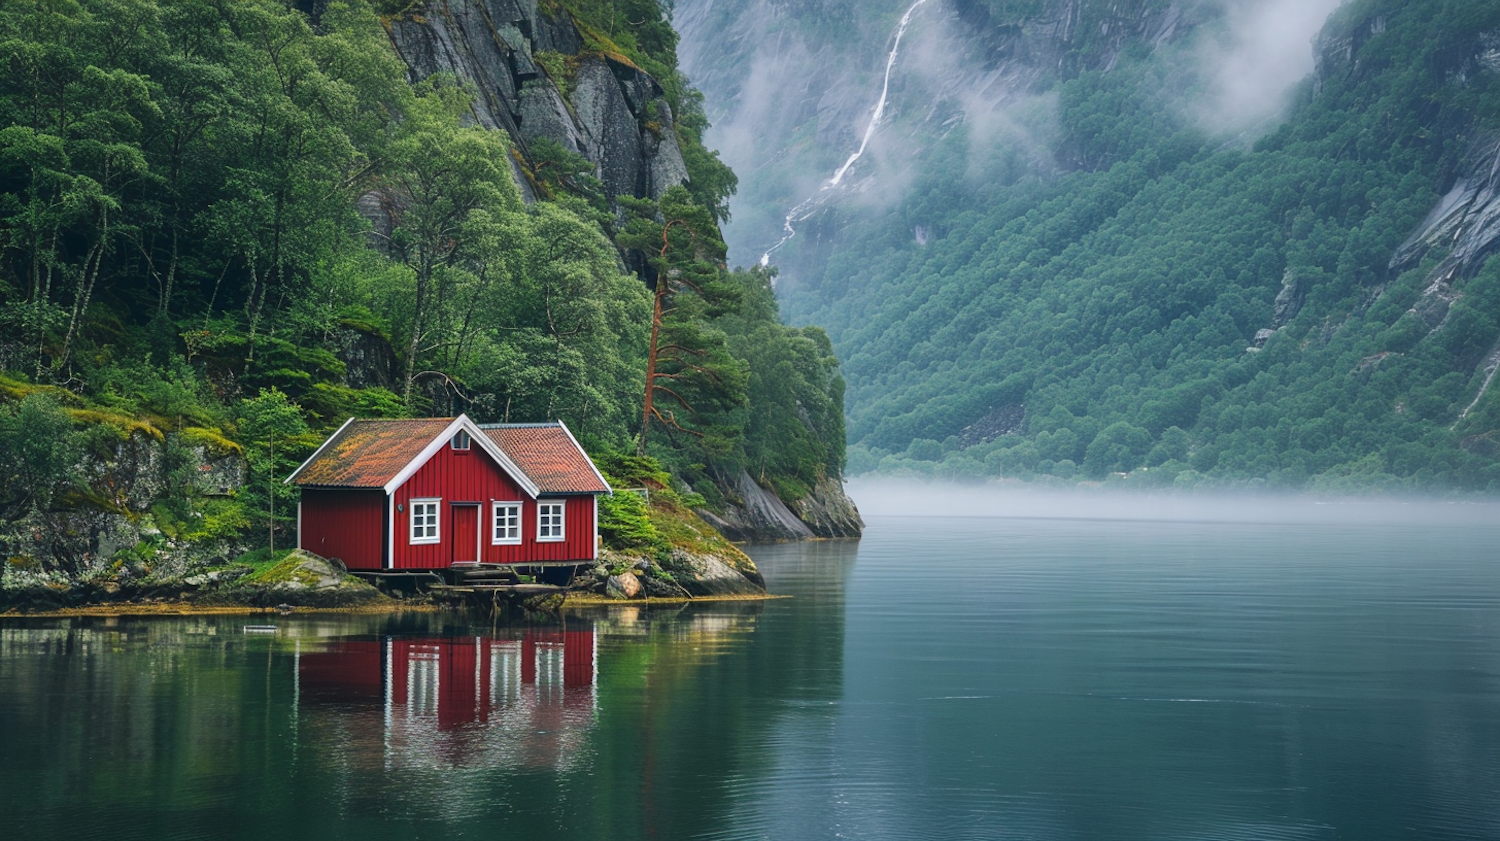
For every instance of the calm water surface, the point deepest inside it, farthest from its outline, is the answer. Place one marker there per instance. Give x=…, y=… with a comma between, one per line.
x=945, y=678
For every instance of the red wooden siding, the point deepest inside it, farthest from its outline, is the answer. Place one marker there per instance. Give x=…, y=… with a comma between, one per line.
x=350, y=673
x=454, y=477
x=454, y=680
x=344, y=524
x=466, y=533
x=473, y=477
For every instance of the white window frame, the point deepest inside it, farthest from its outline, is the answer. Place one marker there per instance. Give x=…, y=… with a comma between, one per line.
x=515, y=528
x=543, y=528
x=436, y=525
x=461, y=435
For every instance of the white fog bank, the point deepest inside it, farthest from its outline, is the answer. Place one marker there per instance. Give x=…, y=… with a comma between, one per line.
x=890, y=497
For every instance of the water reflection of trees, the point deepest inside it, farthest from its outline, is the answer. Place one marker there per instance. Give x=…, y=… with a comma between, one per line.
x=336, y=723
x=623, y=723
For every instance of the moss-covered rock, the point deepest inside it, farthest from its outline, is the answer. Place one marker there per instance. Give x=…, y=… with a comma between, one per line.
x=299, y=578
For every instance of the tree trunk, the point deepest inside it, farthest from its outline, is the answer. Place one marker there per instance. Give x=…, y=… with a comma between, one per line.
x=424, y=276
x=661, y=292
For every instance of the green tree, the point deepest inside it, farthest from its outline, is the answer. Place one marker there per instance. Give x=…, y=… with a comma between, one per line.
x=276, y=440
x=686, y=359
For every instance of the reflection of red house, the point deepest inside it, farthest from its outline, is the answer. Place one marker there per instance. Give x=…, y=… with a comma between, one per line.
x=430, y=493
x=469, y=701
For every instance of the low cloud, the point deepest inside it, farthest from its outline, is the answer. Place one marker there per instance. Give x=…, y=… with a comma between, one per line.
x=1252, y=63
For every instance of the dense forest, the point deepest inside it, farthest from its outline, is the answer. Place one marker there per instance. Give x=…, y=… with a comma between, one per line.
x=226, y=227
x=1107, y=288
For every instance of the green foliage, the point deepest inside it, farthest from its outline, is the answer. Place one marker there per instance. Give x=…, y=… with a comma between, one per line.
x=568, y=177
x=38, y=452
x=182, y=256
x=689, y=367
x=794, y=424
x=1118, y=301
x=559, y=69
x=276, y=440
x=625, y=522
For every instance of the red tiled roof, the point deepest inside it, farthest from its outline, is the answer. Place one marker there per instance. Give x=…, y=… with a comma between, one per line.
x=369, y=453
x=549, y=455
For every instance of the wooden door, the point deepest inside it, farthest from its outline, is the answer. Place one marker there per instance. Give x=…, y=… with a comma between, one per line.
x=465, y=540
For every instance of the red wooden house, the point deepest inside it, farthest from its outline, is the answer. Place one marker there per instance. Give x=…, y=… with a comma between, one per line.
x=429, y=494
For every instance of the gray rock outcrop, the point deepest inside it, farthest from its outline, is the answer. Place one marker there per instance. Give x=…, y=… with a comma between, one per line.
x=758, y=515
x=711, y=575
x=616, y=115
x=622, y=586
x=1465, y=223
x=85, y=539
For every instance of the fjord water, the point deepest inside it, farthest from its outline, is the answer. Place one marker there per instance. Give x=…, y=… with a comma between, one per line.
x=1302, y=672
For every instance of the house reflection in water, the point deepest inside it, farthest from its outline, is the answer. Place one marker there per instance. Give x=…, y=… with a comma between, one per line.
x=474, y=702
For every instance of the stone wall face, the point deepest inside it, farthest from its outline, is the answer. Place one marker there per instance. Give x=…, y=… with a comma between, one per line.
x=113, y=514
x=615, y=114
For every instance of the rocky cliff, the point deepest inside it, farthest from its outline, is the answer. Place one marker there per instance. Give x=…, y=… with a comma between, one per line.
x=520, y=58
x=777, y=74
x=756, y=514
x=115, y=530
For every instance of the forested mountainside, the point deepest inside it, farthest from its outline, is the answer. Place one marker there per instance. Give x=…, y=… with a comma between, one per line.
x=226, y=227
x=1084, y=246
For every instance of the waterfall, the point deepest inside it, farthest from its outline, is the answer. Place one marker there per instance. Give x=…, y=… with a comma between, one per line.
x=804, y=210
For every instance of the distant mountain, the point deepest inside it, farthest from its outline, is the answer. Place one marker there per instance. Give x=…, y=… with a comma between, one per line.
x=1178, y=243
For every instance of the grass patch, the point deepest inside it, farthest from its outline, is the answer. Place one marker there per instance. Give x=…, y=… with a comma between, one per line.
x=262, y=562
x=20, y=389
x=127, y=425
x=212, y=439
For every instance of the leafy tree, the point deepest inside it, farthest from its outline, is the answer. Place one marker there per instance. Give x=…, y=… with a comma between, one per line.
x=276, y=440
x=39, y=451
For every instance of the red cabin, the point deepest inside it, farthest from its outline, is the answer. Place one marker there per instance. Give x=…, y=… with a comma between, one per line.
x=434, y=493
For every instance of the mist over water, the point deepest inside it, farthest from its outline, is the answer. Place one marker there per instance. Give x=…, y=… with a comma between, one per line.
x=949, y=676
x=899, y=497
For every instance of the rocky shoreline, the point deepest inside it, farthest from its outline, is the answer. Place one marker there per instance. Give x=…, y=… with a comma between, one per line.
x=302, y=581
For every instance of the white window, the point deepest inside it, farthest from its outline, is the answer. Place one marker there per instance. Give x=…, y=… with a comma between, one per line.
x=424, y=520
x=549, y=521
x=506, y=523
x=461, y=440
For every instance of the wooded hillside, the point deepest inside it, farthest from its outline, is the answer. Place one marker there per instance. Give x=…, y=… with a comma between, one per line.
x=1108, y=286
x=228, y=226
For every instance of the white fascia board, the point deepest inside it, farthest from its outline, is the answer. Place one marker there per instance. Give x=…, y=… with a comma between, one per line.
x=603, y=481
x=318, y=451
x=475, y=434
x=390, y=535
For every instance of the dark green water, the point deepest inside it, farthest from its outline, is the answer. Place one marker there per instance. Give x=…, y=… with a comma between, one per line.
x=946, y=678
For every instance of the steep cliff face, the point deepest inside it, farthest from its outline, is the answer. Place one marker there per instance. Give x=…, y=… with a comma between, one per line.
x=790, y=87
x=1463, y=228
x=614, y=113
